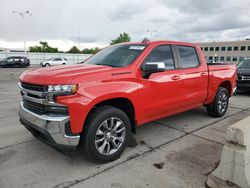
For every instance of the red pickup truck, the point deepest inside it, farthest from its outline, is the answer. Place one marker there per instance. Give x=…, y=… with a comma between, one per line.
x=99, y=103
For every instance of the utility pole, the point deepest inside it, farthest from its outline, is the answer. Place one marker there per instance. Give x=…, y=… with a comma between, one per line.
x=79, y=38
x=22, y=14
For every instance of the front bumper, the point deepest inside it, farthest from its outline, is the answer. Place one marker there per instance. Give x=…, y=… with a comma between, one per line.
x=234, y=90
x=243, y=86
x=48, y=129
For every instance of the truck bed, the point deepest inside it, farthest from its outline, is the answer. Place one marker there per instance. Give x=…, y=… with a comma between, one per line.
x=218, y=73
x=222, y=71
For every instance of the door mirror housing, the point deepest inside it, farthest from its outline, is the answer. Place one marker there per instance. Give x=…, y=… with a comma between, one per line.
x=152, y=67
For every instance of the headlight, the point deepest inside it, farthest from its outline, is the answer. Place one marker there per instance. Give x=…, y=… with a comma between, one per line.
x=62, y=89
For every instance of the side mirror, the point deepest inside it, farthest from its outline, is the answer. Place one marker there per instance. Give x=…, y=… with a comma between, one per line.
x=152, y=67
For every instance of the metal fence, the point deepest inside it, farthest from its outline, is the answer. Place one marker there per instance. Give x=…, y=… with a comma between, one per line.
x=36, y=58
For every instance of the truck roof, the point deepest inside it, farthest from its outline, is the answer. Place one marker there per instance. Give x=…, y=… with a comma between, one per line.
x=162, y=41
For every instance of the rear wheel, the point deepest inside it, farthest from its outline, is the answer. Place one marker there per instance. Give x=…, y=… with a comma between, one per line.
x=107, y=133
x=220, y=104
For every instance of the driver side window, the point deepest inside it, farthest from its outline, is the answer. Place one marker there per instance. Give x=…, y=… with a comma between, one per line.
x=10, y=60
x=164, y=54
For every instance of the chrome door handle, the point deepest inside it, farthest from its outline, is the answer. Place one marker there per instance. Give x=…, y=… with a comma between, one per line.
x=175, y=77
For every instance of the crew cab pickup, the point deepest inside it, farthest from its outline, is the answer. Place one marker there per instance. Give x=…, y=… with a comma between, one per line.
x=99, y=103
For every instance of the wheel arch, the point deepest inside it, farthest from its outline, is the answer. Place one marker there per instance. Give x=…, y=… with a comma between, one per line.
x=227, y=84
x=213, y=88
x=124, y=104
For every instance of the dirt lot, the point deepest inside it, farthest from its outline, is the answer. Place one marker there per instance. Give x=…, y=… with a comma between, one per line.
x=178, y=151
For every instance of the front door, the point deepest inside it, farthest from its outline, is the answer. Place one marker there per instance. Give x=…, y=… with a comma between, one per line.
x=162, y=93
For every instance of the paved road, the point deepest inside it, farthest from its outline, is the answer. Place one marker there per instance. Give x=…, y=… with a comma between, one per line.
x=178, y=151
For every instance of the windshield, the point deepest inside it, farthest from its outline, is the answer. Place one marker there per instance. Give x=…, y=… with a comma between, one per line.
x=244, y=64
x=119, y=55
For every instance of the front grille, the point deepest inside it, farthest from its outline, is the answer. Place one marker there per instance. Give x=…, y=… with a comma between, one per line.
x=35, y=107
x=37, y=102
x=243, y=81
x=44, y=109
x=42, y=88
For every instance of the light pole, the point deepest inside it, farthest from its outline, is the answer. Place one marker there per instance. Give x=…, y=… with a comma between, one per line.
x=22, y=14
x=215, y=58
x=78, y=38
x=78, y=43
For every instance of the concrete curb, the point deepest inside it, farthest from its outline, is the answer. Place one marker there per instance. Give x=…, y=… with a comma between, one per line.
x=234, y=167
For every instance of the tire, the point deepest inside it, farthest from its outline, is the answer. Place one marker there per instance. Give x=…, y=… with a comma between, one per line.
x=47, y=65
x=64, y=64
x=220, y=104
x=97, y=138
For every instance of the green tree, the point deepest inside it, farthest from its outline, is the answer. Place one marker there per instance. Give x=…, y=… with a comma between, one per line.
x=91, y=50
x=74, y=50
x=44, y=47
x=123, y=37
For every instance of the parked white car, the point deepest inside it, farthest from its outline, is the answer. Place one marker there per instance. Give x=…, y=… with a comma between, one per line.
x=54, y=61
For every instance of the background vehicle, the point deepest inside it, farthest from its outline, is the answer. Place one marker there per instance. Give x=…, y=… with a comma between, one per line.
x=121, y=87
x=15, y=61
x=54, y=61
x=243, y=72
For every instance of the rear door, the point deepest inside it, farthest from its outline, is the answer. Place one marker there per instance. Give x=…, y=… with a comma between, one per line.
x=17, y=61
x=161, y=94
x=194, y=75
x=23, y=61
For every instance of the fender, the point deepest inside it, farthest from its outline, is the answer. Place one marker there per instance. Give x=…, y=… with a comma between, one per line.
x=88, y=97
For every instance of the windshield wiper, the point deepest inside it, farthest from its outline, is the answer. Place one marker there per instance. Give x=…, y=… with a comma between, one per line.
x=100, y=64
x=103, y=64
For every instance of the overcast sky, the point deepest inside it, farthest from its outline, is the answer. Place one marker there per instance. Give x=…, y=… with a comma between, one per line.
x=61, y=22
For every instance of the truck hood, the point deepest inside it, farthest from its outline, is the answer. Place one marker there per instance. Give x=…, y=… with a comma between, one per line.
x=60, y=74
x=245, y=72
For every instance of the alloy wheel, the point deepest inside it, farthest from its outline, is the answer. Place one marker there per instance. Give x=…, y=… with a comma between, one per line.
x=110, y=136
x=222, y=102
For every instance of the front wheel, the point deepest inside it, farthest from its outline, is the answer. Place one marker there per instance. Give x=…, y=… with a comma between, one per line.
x=220, y=104
x=107, y=134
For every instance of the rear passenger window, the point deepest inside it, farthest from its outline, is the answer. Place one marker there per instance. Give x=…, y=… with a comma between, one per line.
x=162, y=54
x=188, y=57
